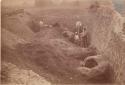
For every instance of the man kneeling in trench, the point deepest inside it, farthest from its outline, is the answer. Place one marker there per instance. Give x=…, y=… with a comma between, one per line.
x=96, y=69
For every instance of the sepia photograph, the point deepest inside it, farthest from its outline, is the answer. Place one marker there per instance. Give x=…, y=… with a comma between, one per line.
x=62, y=42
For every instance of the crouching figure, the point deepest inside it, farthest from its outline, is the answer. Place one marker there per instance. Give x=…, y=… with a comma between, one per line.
x=96, y=69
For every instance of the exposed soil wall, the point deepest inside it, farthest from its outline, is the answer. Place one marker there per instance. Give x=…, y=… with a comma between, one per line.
x=106, y=25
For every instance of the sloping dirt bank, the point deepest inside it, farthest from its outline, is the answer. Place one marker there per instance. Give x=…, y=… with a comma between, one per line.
x=104, y=22
x=13, y=75
x=106, y=30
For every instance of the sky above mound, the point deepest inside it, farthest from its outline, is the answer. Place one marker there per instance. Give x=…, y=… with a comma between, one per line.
x=7, y=2
x=119, y=5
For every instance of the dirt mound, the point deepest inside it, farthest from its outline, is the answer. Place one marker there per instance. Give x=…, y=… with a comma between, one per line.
x=56, y=57
x=106, y=37
x=13, y=75
x=48, y=33
x=11, y=40
x=97, y=68
x=107, y=21
x=17, y=24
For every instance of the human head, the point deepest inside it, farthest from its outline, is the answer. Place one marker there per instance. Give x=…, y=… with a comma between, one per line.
x=78, y=23
x=76, y=32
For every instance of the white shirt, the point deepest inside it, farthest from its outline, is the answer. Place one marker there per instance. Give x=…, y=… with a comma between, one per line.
x=76, y=37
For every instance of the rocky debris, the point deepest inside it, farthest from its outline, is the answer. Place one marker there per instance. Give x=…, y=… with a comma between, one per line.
x=44, y=25
x=34, y=25
x=56, y=24
x=37, y=25
x=12, y=75
x=69, y=35
x=96, y=68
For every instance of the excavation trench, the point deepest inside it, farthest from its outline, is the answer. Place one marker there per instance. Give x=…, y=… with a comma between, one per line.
x=51, y=55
